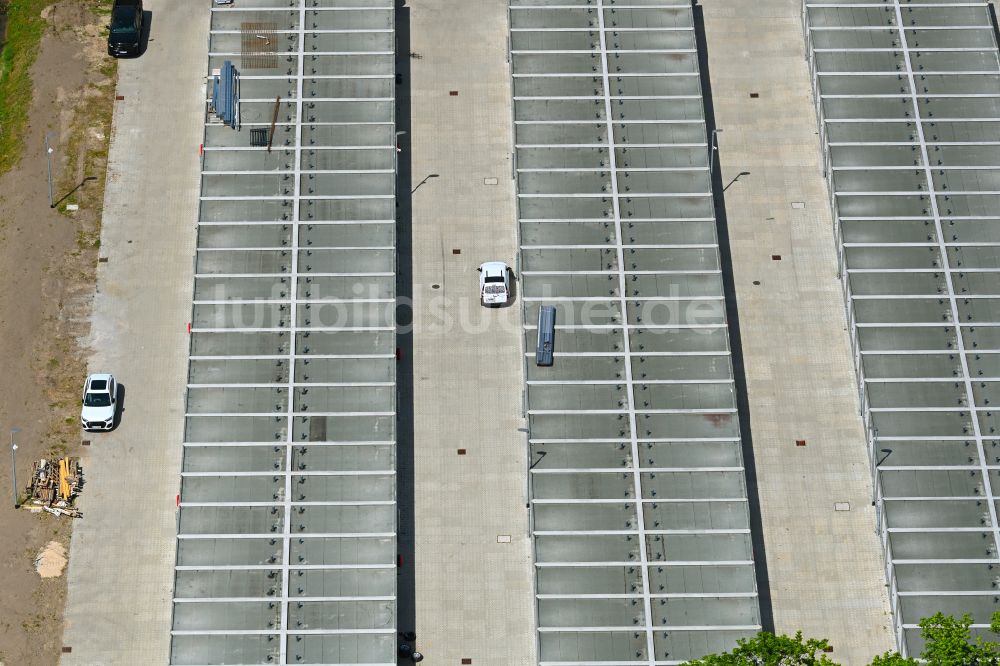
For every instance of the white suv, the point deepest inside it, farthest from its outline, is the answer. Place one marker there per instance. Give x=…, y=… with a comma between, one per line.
x=100, y=401
x=494, y=283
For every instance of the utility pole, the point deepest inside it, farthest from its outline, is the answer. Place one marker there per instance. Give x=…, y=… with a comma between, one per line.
x=48, y=159
x=13, y=467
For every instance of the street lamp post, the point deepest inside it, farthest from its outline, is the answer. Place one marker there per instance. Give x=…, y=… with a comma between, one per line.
x=713, y=146
x=396, y=151
x=13, y=467
x=48, y=159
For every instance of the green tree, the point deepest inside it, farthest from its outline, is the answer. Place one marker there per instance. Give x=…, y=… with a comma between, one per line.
x=766, y=649
x=893, y=659
x=948, y=641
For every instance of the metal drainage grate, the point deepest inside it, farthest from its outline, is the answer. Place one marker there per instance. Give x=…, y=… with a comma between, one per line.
x=257, y=45
x=258, y=137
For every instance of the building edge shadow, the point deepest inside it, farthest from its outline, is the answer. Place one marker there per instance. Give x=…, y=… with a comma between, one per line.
x=735, y=339
x=405, y=536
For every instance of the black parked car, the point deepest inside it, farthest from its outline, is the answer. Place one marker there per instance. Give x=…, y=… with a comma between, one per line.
x=125, y=36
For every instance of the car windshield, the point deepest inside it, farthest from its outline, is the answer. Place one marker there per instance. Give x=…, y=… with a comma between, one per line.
x=97, y=400
x=494, y=278
x=123, y=20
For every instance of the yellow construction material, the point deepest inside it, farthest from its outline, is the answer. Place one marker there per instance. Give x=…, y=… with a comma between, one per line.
x=64, y=488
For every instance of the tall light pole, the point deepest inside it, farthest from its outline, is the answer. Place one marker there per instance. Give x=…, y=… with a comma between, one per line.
x=395, y=155
x=13, y=467
x=48, y=159
x=713, y=146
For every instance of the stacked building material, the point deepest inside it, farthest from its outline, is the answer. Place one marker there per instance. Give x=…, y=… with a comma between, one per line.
x=55, y=484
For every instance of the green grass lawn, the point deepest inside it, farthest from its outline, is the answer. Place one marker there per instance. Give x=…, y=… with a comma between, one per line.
x=24, y=31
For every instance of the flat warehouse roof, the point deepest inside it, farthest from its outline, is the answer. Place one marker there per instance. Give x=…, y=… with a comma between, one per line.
x=639, y=502
x=908, y=96
x=286, y=546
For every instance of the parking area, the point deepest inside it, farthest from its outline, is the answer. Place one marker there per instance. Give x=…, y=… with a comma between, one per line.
x=253, y=507
x=639, y=508
x=472, y=592
x=119, y=580
x=907, y=106
x=817, y=523
x=286, y=531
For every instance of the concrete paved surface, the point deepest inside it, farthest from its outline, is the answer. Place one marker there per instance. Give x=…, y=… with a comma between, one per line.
x=825, y=566
x=474, y=594
x=122, y=551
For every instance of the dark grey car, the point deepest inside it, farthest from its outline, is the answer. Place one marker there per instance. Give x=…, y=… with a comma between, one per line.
x=125, y=34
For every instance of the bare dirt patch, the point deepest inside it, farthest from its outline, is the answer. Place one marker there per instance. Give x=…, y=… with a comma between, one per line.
x=48, y=259
x=51, y=561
